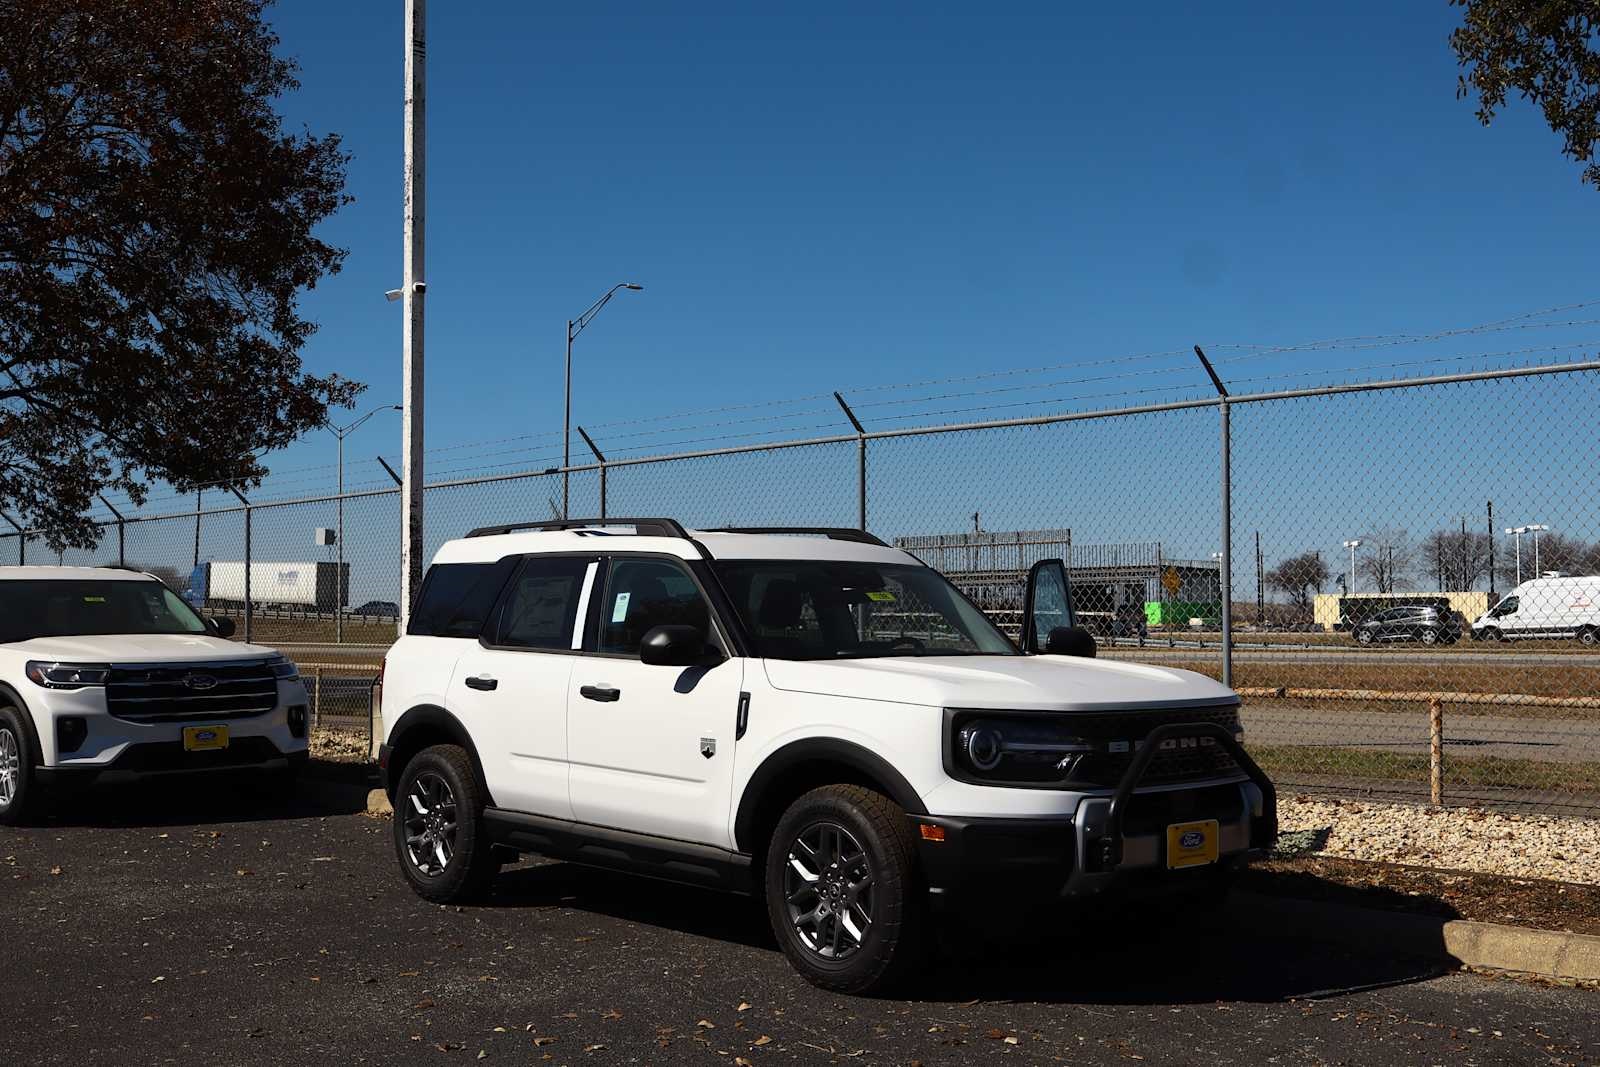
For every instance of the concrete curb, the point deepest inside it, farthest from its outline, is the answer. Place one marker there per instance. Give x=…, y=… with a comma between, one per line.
x=1462, y=942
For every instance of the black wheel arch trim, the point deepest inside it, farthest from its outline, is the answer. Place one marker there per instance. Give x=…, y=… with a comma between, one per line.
x=857, y=757
x=432, y=717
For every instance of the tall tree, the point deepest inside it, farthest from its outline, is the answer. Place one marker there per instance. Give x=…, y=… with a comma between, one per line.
x=1388, y=559
x=1543, y=50
x=1456, y=559
x=156, y=230
x=1299, y=577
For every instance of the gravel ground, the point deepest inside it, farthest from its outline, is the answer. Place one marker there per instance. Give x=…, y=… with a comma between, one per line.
x=1462, y=839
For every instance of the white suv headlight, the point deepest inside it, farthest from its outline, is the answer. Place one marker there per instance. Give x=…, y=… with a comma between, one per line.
x=66, y=675
x=1022, y=749
x=283, y=668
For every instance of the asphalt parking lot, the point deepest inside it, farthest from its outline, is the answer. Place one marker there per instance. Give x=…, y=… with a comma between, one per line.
x=272, y=932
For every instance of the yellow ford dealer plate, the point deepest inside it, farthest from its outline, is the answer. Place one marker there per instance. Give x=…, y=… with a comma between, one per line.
x=1193, y=844
x=204, y=738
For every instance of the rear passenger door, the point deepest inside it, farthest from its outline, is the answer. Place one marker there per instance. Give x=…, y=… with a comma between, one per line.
x=511, y=686
x=651, y=747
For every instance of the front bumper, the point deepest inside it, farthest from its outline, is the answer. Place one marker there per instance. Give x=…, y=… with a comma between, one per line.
x=1109, y=841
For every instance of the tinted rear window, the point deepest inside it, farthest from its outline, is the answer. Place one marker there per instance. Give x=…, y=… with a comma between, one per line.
x=456, y=598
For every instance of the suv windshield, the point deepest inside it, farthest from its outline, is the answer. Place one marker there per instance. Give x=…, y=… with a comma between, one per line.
x=73, y=607
x=848, y=609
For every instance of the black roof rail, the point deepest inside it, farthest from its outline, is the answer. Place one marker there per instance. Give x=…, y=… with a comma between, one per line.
x=833, y=533
x=644, y=527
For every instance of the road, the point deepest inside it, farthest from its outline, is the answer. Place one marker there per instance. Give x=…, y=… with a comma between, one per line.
x=275, y=934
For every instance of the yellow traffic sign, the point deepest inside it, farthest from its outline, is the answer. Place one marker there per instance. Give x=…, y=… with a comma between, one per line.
x=1171, y=581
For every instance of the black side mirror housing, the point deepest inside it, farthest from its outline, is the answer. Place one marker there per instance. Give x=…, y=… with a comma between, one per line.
x=1070, y=641
x=220, y=626
x=673, y=646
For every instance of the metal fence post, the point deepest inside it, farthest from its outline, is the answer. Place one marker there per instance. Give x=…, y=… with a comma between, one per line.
x=122, y=542
x=602, y=459
x=861, y=462
x=1225, y=575
x=248, y=604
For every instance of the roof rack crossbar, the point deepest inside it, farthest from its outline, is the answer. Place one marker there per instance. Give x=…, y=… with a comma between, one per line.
x=833, y=533
x=645, y=527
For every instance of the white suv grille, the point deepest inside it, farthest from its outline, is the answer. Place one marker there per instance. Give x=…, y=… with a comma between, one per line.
x=186, y=691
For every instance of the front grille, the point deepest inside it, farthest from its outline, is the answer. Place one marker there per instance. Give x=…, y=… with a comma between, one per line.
x=1116, y=735
x=181, y=693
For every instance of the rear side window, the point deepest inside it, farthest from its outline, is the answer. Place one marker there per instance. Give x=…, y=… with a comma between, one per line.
x=456, y=598
x=542, y=605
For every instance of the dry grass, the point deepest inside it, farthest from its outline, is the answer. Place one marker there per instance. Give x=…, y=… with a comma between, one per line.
x=1460, y=771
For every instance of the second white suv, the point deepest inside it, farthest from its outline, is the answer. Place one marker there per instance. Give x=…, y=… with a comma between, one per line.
x=107, y=672
x=806, y=714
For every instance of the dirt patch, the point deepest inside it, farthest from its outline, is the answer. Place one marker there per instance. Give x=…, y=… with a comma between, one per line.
x=339, y=746
x=1527, y=902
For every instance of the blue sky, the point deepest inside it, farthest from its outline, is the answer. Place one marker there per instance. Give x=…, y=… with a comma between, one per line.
x=824, y=199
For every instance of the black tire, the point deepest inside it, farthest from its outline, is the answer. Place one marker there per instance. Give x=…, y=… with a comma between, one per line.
x=1589, y=636
x=1430, y=637
x=895, y=902
x=1491, y=634
x=1364, y=637
x=452, y=822
x=16, y=794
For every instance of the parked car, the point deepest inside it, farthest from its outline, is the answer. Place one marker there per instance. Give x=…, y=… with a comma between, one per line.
x=1551, y=607
x=107, y=672
x=1430, y=624
x=383, y=609
x=808, y=715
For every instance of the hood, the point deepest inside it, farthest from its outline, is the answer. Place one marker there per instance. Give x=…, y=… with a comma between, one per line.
x=1043, y=683
x=137, y=648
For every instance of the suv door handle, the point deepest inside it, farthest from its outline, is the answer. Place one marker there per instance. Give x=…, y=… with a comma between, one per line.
x=484, y=682
x=603, y=693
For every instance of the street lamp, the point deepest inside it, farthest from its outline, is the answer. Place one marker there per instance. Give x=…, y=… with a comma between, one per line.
x=1350, y=586
x=574, y=328
x=1518, y=531
x=338, y=538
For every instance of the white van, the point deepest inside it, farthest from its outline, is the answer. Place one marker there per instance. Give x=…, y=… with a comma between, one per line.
x=1545, y=607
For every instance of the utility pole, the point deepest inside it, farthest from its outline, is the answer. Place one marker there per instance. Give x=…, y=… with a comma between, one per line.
x=412, y=289
x=1261, y=599
x=1491, y=553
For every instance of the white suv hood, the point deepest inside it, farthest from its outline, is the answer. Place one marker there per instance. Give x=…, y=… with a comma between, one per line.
x=137, y=648
x=1021, y=682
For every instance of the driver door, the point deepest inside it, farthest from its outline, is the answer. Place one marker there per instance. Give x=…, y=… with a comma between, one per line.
x=650, y=748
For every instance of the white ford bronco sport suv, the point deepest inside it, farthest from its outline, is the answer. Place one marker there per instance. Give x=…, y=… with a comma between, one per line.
x=108, y=672
x=806, y=714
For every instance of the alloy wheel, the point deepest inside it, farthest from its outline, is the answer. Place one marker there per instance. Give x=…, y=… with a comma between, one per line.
x=430, y=824
x=10, y=767
x=828, y=887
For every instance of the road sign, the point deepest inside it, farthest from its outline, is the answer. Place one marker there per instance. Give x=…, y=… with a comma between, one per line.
x=1171, y=581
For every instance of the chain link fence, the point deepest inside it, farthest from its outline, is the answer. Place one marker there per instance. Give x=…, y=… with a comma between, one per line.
x=1412, y=568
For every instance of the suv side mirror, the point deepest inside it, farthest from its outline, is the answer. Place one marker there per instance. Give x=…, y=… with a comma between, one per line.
x=1070, y=641
x=220, y=626
x=673, y=646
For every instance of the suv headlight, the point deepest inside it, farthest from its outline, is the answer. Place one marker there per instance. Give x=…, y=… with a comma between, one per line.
x=66, y=675
x=1023, y=749
x=283, y=668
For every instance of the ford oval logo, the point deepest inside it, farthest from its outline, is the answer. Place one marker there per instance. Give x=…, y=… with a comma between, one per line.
x=200, y=682
x=1192, y=839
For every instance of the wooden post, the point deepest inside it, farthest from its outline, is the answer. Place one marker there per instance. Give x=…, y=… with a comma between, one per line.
x=1436, y=751
x=316, y=699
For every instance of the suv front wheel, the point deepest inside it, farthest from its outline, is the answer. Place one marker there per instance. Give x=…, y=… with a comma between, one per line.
x=16, y=770
x=438, y=827
x=844, y=894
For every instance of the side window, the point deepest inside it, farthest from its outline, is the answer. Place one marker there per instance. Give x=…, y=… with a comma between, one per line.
x=1508, y=606
x=456, y=598
x=642, y=594
x=541, y=604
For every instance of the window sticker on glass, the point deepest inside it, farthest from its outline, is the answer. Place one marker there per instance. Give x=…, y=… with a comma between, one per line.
x=880, y=595
x=619, y=610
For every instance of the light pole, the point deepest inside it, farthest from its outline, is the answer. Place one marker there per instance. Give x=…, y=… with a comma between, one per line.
x=338, y=537
x=1517, y=532
x=574, y=328
x=1350, y=586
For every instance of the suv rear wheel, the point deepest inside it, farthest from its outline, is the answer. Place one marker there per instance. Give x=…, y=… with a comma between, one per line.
x=1430, y=636
x=438, y=827
x=16, y=768
x=844, y=894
